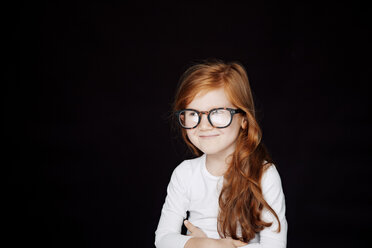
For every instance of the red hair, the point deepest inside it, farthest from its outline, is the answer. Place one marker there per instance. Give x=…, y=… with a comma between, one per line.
x=241, y=201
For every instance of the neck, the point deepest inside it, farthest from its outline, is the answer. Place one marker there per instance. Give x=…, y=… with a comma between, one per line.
x=217, y=164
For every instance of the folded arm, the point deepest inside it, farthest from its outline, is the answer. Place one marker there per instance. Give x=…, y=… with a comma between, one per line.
x=200, y=240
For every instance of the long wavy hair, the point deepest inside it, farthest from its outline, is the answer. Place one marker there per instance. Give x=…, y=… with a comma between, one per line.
x=241, y=201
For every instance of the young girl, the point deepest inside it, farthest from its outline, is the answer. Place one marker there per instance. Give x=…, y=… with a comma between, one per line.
x=232, y=190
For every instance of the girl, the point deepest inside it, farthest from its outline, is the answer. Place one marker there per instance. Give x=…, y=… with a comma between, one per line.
x=232, y=190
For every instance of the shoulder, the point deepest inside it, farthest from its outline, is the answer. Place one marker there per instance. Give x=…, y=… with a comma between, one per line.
x=189, y=165
x=270, y=178
x=270, y=171
x=187, y=168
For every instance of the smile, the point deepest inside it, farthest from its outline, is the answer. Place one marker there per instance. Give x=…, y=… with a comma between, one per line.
x=208, y=136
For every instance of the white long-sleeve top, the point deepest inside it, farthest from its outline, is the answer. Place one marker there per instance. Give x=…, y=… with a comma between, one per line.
x=192, y=188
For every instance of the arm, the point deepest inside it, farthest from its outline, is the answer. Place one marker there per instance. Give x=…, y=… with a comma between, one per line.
x=168, y=233
x=213, y=243
x=274, y=196
x=209, y=243
x=200, y=240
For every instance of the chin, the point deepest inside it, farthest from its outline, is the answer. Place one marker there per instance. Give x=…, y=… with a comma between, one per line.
x=210, y=150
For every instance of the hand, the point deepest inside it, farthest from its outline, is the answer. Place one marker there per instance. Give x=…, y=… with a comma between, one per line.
x=194, y=231
x=229, y=242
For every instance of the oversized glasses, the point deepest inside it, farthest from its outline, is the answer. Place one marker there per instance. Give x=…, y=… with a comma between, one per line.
x=217, y=117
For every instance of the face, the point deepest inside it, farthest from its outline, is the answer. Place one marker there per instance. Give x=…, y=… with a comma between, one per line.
x=211, y=140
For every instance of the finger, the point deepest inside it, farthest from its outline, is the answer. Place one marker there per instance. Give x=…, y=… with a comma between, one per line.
x=239, y=243
x=189, y=226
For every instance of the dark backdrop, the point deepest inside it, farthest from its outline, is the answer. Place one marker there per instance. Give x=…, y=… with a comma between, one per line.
x=88, y=146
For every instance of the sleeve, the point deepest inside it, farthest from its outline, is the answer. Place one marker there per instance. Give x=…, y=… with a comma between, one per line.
x=274, y=196
x=168, y=233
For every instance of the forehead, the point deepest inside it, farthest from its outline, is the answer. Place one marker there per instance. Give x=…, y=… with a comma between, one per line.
x=207, y=100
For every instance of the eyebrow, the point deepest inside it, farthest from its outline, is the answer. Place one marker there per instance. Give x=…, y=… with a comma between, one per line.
x=210, y=108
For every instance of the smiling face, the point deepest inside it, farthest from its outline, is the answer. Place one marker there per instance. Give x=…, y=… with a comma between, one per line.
x=208, y=139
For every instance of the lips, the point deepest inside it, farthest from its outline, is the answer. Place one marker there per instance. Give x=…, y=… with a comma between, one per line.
x=208, y=136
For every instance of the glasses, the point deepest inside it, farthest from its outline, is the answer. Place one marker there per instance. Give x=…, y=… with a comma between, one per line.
x=217, y=117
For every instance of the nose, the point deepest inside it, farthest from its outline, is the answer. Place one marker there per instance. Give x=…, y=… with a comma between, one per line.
x=204, y=122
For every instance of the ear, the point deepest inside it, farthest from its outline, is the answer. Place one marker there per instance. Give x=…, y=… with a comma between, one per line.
x=244, y=123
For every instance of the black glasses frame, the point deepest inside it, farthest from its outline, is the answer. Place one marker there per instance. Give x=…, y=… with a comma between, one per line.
x=200, y=113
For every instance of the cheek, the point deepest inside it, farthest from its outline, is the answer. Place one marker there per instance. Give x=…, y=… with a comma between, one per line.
x=191, y=135
x=233, y=131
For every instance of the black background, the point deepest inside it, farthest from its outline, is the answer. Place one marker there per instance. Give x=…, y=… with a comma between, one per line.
x=88, y=144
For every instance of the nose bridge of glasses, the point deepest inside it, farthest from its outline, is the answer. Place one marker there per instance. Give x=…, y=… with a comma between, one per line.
x=206, y=119
x=203, y=113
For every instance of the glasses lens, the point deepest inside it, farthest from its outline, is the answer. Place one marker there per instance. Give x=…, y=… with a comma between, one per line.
x=220, y=117
x=189, y=118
